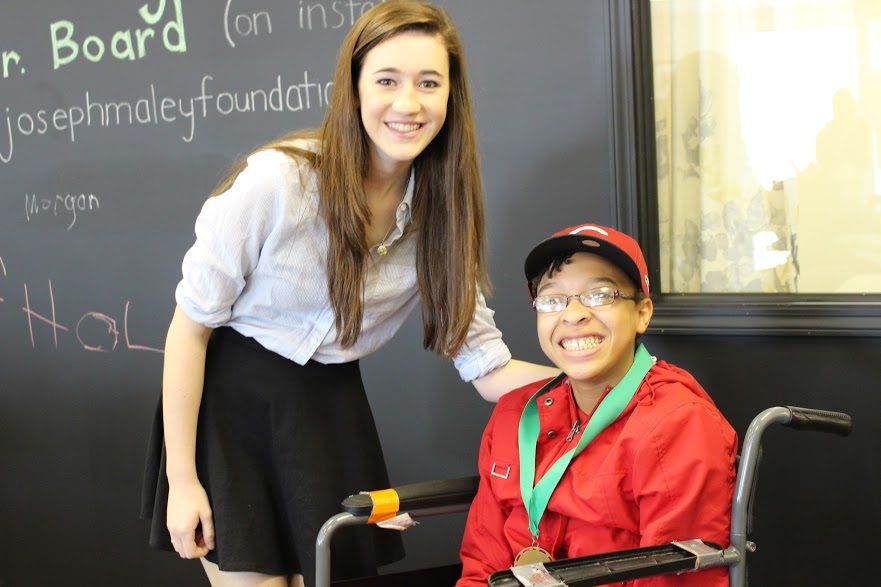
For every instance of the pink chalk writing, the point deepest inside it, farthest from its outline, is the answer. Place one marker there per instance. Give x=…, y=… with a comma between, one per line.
x=95, y=331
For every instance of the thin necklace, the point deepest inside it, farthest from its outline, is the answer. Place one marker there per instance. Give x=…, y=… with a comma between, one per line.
x=382, y=249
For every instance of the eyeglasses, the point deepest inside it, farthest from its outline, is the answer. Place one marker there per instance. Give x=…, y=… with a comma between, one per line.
x=592, y=298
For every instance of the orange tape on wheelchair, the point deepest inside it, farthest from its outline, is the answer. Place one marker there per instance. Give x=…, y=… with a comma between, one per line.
x=385, y=505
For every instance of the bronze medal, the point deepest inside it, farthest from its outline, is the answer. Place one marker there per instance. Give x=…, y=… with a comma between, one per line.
x=531, y=555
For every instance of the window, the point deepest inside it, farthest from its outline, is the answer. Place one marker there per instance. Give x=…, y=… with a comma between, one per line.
x=758, y=163
x=767, y=117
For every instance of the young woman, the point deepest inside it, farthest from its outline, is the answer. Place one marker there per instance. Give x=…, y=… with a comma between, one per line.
x=309, y=257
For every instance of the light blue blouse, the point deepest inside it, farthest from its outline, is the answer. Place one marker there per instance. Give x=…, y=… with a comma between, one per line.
x=258, y=265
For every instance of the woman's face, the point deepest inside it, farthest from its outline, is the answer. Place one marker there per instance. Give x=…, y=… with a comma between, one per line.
x=402, y=95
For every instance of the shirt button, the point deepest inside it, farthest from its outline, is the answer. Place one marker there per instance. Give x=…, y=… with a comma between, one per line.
x=552, y=434
x=549, y=401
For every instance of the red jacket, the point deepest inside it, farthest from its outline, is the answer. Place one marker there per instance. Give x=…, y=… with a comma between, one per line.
x=663, y=471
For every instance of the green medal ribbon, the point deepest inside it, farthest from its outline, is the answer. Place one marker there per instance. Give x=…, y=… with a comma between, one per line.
x=536, y=498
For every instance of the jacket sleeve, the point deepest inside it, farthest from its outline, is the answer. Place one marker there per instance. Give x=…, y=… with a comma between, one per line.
x=683, y=481
x=485, y=548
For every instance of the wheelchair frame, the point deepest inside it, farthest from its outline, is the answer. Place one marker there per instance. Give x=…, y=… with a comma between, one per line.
x=455, y=495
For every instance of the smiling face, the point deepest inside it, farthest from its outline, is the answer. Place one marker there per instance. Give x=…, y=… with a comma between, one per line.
x=593, y=346
x=403, y=90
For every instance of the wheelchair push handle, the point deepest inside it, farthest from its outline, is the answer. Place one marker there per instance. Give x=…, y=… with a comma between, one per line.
x=819, y=420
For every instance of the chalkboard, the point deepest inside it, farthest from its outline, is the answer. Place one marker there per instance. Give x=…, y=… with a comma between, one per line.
x=116, y=120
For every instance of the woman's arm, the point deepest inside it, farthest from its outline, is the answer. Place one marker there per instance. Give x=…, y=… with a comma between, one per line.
x=182, y=379
x=511, y=375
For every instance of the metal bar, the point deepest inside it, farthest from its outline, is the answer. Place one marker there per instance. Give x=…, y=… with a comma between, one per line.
x=749, y=459
x=322, y=544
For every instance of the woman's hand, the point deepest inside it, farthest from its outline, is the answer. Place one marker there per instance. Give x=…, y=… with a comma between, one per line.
x=189, y=519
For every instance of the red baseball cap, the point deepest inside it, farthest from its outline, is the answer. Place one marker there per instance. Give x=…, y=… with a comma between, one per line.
x=615, y=246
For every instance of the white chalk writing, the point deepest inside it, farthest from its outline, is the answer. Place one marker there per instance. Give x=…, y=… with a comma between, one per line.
x=69, y=203
x=247, y=24
x=153, y=108
x=331, y=15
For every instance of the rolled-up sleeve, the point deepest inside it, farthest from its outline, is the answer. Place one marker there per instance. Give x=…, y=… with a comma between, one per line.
x=484, y=349
x=230, y=232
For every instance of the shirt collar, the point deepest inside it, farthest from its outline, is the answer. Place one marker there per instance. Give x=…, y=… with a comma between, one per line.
x=405, y=209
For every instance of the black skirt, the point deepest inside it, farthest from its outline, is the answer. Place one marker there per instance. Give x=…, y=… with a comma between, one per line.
x=278, y=447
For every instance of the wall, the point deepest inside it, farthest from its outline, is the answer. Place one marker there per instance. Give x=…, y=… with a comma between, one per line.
x=96, y=214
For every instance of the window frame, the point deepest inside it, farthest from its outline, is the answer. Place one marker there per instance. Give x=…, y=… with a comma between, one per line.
x=635, y=203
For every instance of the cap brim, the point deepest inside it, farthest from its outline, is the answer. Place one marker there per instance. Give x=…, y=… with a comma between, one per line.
x=543, y=253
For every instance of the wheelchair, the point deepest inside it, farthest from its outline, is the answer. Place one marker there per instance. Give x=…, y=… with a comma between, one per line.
x=455, y=495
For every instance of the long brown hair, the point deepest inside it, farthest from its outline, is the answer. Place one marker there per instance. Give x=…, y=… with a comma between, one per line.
x=448, y=216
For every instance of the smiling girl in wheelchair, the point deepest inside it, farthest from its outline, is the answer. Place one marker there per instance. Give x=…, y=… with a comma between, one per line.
x=620, y=450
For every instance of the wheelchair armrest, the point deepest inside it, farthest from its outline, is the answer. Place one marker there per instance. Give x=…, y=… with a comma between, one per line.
x=417, y=496
x=623, y=565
